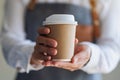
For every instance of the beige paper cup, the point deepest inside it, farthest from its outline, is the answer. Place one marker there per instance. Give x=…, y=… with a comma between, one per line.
x=63, y=29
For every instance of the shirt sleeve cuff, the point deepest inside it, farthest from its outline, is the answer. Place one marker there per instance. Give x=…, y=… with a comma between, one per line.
x=27, y=48
x=24, y=64
x=94, y=60
x=30, y=67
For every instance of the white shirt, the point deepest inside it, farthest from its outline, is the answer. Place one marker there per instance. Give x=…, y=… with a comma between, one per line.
x=105, y=54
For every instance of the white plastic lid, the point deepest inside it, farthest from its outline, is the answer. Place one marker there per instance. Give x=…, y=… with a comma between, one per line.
x=60, y=19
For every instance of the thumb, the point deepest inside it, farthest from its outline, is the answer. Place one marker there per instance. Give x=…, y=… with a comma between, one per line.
x=76, y=41
x=74, y=59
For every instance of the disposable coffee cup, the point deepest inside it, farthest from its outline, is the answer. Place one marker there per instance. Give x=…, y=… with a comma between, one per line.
x=62, y=29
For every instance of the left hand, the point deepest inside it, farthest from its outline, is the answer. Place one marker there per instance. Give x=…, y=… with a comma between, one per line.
x=80, y=58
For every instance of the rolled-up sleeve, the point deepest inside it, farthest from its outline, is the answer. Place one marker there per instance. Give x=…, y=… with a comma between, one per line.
x=105, y=54
x=17, y=49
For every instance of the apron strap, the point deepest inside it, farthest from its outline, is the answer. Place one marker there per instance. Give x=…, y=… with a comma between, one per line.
x=94, y=14
x=96, y=20
x=32, y=4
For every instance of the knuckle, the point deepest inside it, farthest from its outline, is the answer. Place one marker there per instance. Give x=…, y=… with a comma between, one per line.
x=38, y=39
x=49, y=50
x=46, y=58
x=43, y=49
x=49, y=42
x=40, y=28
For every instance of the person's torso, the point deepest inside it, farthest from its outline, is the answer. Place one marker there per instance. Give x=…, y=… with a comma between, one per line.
x=34, y=19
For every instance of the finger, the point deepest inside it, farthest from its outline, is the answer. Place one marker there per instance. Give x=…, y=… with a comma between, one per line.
x=46, y=41
x=78, y=49
x=39, y=56
x=74, y=60
x=80, y=58
x=35, y=62
x=76, y=44
x=43, y=49
x=44, y=57
x=48, y=63
x=76, y=41
x=43, y=30
x=62, y=64
x=66, y=65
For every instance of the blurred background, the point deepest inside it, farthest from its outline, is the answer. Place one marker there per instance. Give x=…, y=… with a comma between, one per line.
x=8, y=73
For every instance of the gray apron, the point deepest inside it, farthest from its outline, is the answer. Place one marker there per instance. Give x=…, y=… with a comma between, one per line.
x=34, y=19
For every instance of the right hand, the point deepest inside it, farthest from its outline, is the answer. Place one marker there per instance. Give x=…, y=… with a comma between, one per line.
x=44, y=48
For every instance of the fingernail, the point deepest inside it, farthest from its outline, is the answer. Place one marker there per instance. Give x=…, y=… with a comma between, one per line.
x=49, y=57
x=53, y=43
x=47, y=30
x=53, y=51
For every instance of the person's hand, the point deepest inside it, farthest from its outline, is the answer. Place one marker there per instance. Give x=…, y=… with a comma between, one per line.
x=44, y=48
x=80, y=58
